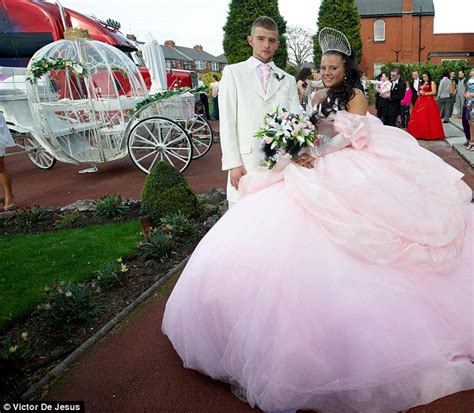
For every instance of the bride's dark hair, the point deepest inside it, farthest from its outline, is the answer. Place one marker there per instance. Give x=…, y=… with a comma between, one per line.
x=342, y=93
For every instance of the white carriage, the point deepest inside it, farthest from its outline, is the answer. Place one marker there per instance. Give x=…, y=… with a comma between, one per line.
x=77, y=106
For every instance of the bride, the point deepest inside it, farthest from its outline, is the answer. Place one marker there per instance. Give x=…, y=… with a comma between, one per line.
x=341, y=282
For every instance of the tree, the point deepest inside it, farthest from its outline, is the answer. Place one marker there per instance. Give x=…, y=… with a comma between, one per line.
x=242, y=13
x=342, y=15
x=300, y=45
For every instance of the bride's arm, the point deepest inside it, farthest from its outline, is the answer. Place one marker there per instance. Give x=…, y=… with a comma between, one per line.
x=351, y=131
x=318, y=97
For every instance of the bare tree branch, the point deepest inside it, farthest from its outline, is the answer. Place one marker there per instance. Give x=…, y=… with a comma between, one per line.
x=299, y=42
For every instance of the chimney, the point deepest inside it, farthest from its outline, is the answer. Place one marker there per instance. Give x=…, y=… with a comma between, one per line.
x=407, y=6
x=198, y=47
x=170, y=43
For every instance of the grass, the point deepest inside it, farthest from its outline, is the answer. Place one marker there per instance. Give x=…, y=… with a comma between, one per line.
x=30, y=262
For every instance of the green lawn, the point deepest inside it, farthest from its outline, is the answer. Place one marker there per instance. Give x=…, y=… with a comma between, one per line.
x=30, y=262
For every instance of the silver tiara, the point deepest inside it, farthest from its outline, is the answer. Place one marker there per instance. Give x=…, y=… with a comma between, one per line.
x=332, y=39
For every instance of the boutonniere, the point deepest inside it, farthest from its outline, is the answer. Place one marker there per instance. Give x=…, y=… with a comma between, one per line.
x=278, y=77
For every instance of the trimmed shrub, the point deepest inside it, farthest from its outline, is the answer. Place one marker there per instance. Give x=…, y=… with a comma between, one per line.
x=166, y=191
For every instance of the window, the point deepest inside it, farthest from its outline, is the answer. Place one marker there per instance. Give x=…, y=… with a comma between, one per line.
x=377, y=68
x=379, y=31
x=187, y=65
x=215, y=66
x=199, y=65
x=168, y=64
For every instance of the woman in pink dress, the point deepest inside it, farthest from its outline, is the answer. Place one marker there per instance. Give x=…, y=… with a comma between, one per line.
x=425, y=122
x=341, y=282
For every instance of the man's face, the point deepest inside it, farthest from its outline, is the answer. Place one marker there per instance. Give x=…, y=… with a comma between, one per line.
x=264, y=44
x=452, y=75
x=415, y=75
x=394, y=76
x=461, y=75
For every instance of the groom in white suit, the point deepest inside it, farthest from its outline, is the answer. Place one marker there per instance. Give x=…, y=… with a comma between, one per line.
x=247, y=92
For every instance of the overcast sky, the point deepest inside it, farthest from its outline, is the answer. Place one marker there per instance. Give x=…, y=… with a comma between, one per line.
x=190, y=22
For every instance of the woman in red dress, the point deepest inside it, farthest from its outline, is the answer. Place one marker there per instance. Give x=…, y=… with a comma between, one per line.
x=425, y=122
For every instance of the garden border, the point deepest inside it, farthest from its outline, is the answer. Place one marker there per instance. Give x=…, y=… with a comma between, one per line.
x=59, y=369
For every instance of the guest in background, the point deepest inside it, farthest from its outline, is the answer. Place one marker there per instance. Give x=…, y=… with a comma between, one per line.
x=415, y=86
x=443, y=96
x=382, y=89
x=303, y=86
x=469, y=108
x=397, y=92
x=452, y=92
x=214, y=89
x=6, y=140
x=203, y=97
x=405, y=105
x=425, y=122
x=460, y=89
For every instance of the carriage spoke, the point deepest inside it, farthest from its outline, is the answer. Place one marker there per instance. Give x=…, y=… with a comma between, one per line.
x=177, y=156
x=143, y=139
x=169, y=160
x=153, y=162
x=145, y=156
x=153, y=136
x=143, y=147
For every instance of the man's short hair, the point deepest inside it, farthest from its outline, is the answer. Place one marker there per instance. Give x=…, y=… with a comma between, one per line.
x=265, y=22
x=396, y=70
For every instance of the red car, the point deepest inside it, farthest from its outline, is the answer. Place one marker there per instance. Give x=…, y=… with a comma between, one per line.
x=26, y=26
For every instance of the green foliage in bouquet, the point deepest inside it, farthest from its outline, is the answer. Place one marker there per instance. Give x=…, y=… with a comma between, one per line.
x=166, y=191
x=242, y=13
x=342, y=15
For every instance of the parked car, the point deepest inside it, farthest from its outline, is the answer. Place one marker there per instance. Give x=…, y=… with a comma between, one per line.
x=26, y=26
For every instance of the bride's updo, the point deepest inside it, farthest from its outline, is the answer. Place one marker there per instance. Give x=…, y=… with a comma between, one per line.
x=339, y=95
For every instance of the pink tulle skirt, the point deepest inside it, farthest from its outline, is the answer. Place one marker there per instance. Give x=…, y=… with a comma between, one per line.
x=344, y=288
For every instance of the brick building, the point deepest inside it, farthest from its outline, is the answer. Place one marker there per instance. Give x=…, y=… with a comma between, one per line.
x=402, y=31
x=180, y=57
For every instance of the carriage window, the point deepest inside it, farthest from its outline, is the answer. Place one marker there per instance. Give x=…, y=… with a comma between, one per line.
x=379, y=30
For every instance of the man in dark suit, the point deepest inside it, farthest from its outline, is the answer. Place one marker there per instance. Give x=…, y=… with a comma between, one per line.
x=396, y=95
x=415, y=85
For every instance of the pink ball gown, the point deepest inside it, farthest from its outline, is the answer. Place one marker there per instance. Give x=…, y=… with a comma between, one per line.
x=343, y=288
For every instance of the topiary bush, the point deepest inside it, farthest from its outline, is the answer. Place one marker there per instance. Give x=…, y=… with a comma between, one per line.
x=166, y=191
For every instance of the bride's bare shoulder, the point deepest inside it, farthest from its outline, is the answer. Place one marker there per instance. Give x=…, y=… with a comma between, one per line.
x=358, y=103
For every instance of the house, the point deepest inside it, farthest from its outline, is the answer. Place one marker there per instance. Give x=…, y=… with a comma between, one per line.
x=402, y=31
x=180, y=57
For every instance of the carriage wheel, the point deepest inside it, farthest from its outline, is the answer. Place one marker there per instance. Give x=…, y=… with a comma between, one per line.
x=200, y=133
x=158, y=139
x=37, y=154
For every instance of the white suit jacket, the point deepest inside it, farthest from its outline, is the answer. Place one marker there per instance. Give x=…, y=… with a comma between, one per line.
x=243, y=104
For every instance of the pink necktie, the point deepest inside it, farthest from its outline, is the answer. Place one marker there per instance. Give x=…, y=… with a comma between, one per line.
x=265, y=71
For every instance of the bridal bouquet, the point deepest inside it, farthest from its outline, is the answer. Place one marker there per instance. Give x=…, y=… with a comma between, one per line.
x=284, y=134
